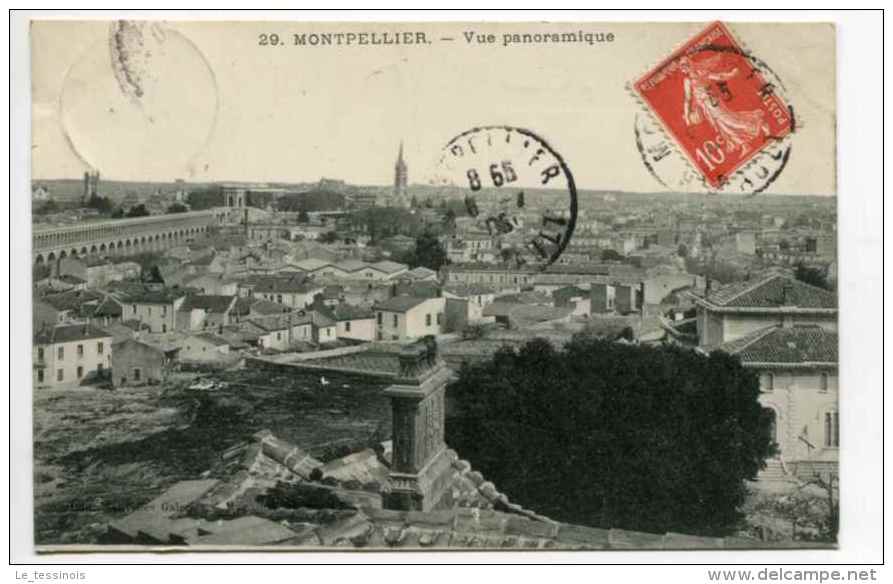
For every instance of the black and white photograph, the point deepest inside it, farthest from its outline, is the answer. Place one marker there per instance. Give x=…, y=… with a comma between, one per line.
x=390, y=286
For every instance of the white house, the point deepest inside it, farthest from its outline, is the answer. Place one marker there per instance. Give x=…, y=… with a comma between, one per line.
x=409, y=317
x=70, y=353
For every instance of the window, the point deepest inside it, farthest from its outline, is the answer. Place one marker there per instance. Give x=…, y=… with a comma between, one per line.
x=60, y=353
x=380, y=336
x=832, y=430
x=40, y=376
x=40, y=353
x=133, y=309
x=427, y=320
x=80, y=371
x=149, y=311
x=80, y=350
x=100, y=347
x=770, y=382
x=278, y=336
x=60, y=374
x=328, y=332
x=137, y=373
x=823, y=382
x=279, y=298
x=164, y=328
x=164, y=311
x=396, y=320
x=379, y=319
x=347, y=326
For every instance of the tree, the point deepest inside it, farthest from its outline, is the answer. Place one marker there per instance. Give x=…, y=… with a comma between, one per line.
x=615, y=435
x=101, y=204
x=429, y=253
x=813, y=276
x=49, y=207
x=177, y=208
x=138, y=211
x=382, y=222
x=118, y=213
x=449, y=219
x=328, y=237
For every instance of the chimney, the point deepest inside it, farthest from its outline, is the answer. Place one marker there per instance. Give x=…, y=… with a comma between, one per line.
x=421, y=461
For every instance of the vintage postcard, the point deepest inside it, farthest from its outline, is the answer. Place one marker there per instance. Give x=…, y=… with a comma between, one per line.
x=371, y=285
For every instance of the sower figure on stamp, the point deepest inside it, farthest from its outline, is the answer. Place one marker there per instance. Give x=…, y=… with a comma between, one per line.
x=734, y=129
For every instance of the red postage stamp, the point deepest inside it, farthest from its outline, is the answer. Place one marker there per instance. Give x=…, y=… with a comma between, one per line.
x=713, y=100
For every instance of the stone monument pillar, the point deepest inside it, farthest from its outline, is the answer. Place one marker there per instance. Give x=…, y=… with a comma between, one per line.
x=421, y=464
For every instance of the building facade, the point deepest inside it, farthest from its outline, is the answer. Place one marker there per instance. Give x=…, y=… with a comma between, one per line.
x=70, y=354
x=786, y=332
x=405, y=318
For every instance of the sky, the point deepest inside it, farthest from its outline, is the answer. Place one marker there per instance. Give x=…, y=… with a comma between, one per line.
x=207, y=101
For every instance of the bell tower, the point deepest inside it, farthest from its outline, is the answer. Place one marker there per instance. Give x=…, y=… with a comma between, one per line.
x=401, y=175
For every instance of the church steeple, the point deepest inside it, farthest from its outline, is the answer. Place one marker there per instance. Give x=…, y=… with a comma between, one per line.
x=401, y=174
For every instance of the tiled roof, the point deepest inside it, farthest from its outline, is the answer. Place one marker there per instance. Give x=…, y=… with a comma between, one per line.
x=351, y=265
x=365, y=362
x=399, y=303
x=499, y=308
x=388, y=267
x=479, y=515
x=485, y=267
x=421, y=272
x=71, y=300
x=166, y=296
x=785, y=345
x=346, y=311
x=268, y=307
x=466, y=290
x=106, y=307
x=772, y=291
x=208, y=302
x=66, y=333
x=279, y=283
x=525, y=298
x=311, y=264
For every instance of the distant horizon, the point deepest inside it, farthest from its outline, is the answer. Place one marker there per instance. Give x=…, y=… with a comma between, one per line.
x=412, y=184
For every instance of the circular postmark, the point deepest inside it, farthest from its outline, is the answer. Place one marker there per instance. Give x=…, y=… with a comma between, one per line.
x=716, y=119
x=519, y=194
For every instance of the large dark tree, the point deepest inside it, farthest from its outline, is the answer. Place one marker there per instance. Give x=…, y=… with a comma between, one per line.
x=813, y=276
x=101, y=204
x=614, y=435
x=429, y=252
x=139, y=210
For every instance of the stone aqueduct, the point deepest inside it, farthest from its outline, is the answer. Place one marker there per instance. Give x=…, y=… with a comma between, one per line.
x=121, y=236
